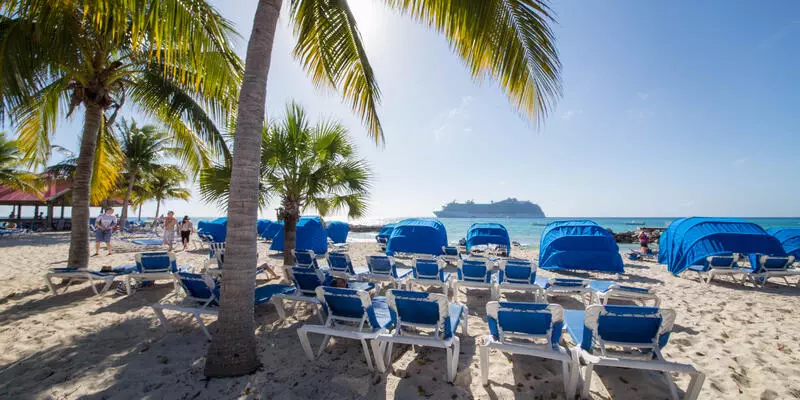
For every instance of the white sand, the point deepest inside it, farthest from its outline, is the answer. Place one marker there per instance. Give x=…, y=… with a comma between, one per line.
x=78, y=345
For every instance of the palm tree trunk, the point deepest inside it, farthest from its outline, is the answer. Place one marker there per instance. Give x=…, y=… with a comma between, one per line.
x=158, y=208
x=81, y=188
x=290, y=219
x=140, y=212
x=126, y=201
x=233, y=347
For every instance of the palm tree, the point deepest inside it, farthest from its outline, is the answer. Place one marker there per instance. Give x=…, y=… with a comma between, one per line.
x=11, y=173
x=143, y=149
x=164, y=183
x=509, y=40
x=305, y=166
x=171, y=58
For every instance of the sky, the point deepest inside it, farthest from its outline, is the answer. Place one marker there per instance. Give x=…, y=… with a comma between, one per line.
x=669, y=109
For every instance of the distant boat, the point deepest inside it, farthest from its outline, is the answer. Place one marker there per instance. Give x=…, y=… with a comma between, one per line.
x=635, y=223
x=508, y=208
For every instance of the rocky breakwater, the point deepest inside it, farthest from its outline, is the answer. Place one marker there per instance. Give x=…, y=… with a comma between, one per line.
x=365, y=228
x=633, y=236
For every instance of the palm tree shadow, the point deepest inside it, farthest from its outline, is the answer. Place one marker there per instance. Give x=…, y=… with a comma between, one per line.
x=24, y=310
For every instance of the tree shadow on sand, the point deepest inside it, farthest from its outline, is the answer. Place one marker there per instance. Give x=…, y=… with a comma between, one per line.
x=36, y=240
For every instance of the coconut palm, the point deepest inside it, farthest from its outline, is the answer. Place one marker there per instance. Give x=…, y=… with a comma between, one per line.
x=11, y=173
x=304, y=166
x=164, y=183
x=170, y=58
x=508, y=40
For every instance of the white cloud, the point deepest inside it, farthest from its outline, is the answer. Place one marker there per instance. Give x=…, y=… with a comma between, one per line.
x=453, y=120
x=687, y=203
x=643, y=95
x=567, y=115
x=741, y=161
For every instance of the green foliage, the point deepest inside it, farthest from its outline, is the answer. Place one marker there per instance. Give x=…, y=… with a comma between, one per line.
x=12, y=174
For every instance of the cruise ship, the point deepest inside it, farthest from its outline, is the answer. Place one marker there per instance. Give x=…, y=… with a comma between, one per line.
x=508, y=208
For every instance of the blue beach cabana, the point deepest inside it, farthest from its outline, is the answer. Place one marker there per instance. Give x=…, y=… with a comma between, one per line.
x=338, y=231
x=385, y=232
x=488, y=233
x=310, y=236
x=261, y=225
x=271, y=230
x=694, y=239
x=579, y=245
x=417, y=236
x=217, y=229
x=789, y=238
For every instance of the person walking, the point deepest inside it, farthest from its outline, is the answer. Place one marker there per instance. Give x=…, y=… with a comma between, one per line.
x=644, y=241
x=104, y=225
x=186, y=227
x=170, y=223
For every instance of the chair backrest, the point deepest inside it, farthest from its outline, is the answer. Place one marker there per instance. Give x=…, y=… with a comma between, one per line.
x=305, y=258
x=347, y=306
x=420, y=310
x=155, y=262
x=531, y=321
x=307, y=280
x=427, y=268
x=774, y=263
x=382, y=240
x=514, y=270
x=340, y=262
x=627, y=326
x=201, y=288
x=216, y=250
x=450, y=250
x=727, y=261
x=474, y=270
x=382, y=265
x=567, y=282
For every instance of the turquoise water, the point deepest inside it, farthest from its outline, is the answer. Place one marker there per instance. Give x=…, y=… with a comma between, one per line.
x=527, y=231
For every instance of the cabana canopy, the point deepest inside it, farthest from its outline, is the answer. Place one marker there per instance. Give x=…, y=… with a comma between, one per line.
x=271, y=230
x=310, y=236
x=418, y=236
x=218, y=228
x=789, y=238
x=579, y=245
x=694, y=239
x=262, y=224
x=385, y=232
x=338, y=231
x=488, y=233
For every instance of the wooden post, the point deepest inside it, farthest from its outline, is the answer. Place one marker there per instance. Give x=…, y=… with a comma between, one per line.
x=49, y=225
x=62, y=211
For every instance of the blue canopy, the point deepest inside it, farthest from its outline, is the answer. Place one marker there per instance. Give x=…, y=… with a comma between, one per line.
x=488, y=233
x=338, y=231
x=579, y=245
x=217, y=228
x=789, y=238
x=417, y=235
x=262, y=224
x=696, y=238
x=665, y=241
x=385, y=232
x=271, y=230
x=310, y=236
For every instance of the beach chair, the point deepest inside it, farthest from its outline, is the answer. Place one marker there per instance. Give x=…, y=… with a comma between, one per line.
x=516, y=274
x=216, y=251
x=305, y=258
x=306, y=281
x=450, y=255
x=338, y=247
x=568, y=287
x=383, y=269
x=72, y=275
x=627, y=337
x=723, y=265
x=382, y=243
x=340, y=266
x=203, y=292
x=532, y=329
x=424, y=319
x=351, y=315
x=151, y=267
x=475, y=273
x=764, y=267
x=602, y=291
x=428, y=271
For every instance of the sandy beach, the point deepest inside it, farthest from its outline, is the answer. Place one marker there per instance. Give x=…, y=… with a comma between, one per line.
x=78, y=345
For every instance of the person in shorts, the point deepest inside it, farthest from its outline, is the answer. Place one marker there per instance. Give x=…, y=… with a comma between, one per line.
x=186, y=229
x=170, y=223
x=644, y=241
x=104, y=225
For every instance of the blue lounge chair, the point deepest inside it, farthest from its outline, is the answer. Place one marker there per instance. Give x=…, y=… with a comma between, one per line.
x=640, y=332
x=305, y=258
x=516, y=274
x=428, y=271
x=722, y=265
x=307, y=280
x=450, y=255
x=602, y=291
x=764, y=267
x=569, y=287
x=352, y=315
x=73, y=275
x=533, y=329
x=202, y=292
x=340, y=266
x=384, y=269
x=153, y=266
x=475, y=273
x=413, y=312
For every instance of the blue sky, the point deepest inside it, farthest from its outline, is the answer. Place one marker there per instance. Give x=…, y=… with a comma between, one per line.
x=669, y=109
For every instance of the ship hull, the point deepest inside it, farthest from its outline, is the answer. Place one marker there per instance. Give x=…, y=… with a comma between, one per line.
x=467, y=214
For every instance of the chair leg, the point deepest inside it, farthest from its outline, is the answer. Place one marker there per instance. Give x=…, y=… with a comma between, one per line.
x=465, y=325
x=388, y=355
x=324, y=344
x=378, y=348
x=587, y=380
x=693, y=390
x=673, y=390
x=453, y=353
x=304, y=343
x=484, y=364
x=565, y=371
x=161, y=318
x=202, y=325
x=47, y=279
x=367, y=354
x=279, y=308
